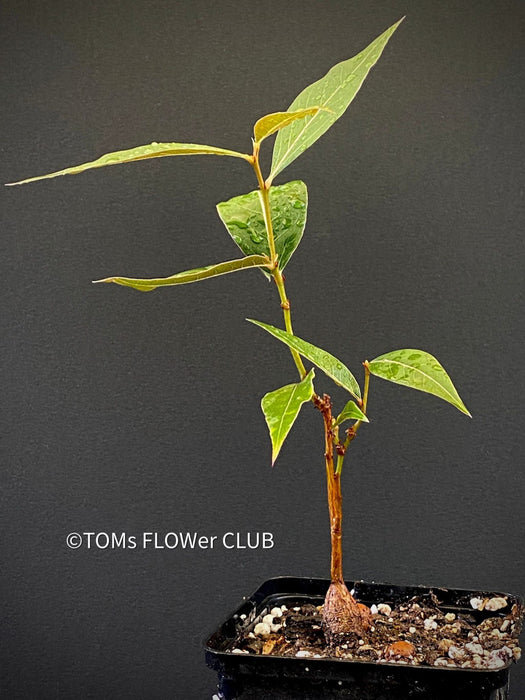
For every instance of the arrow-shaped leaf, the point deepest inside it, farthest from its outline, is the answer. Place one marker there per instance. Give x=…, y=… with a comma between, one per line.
x=351, y=412
x=419, y=370
x=281, y=407
x=243, y=217
x=329, y=364
x=199, y=273
x=152, y=150
x=270, y=123
x=335, y=91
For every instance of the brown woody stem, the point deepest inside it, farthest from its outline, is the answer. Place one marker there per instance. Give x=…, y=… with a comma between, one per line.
x=342, y=615
x=335, y=500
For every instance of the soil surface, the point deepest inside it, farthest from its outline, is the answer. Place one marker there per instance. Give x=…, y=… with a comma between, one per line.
x=415, y=632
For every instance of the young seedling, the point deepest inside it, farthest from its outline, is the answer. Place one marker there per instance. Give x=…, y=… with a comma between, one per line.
x=267, y=225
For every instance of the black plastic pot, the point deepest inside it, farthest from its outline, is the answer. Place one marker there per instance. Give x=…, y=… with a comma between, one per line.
x=251, y=677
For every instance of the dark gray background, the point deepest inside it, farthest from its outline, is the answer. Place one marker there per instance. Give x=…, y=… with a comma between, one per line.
x=125, y=412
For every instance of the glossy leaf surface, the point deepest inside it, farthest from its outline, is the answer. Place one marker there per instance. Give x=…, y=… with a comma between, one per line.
x=418, y=370
x=244, y=220
x=326, y=362
x=152, y=150
x=351, y=412
x=335, y=91
x=199, y=273
x=281, y=407
x=270, y=123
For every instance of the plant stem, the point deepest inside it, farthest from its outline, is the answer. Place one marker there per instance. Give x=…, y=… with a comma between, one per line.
x=335, y=500
x=265, y=201
x=285, y=305
x=365, y=388
x=264, y=189
x=335, y=506
x=341, y=613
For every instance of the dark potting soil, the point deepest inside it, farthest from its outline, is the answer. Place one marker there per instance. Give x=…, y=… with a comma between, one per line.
x=416, y=632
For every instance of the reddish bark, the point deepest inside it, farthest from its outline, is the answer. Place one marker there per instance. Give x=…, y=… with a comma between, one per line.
x=342, y=615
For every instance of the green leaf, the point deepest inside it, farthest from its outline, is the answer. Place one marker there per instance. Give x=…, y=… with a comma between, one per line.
x=418, y=370
x=269, y=124
x=153, y=150
x=334, y=92
x=243, y=217
x=281, y=407
x=329, y=364
x=199, y=273
x=351, y=412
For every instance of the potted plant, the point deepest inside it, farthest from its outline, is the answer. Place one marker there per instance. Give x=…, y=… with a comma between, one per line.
x=267, y=225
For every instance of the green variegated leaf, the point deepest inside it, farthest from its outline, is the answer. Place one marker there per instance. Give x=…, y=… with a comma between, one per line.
x=335, y=91
x=199, y=273
x=270, y=123
x=244, y=220
x=329, y=364
x=281, y=407
x=351, y=412
x=418, y=370
x=152, y=150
